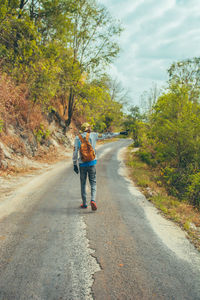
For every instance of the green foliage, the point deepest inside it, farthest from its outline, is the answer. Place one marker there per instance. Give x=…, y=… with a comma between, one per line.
x=1, y=125
x=186, y=225
x=175, y=180
x=93, y=35
x=93, y=41
x=96, y=105
x=134, y=124
x=41, y=133
x=172, y=140
x=145, y=157
x=175, y=127
x=54, y=45
x=187, y=73
x=175, y=135
x=194, y=189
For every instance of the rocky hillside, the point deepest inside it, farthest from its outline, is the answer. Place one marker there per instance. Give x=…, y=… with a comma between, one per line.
x=22, y=150
x=29, y=132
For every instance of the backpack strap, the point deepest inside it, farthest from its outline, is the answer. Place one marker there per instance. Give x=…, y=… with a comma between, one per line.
x=82, y=139
x=87, y=136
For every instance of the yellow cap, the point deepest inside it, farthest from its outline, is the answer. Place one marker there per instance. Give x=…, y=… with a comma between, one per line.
x=85, y=126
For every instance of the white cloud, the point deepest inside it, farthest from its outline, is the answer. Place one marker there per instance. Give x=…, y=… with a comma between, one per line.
x=157, y=33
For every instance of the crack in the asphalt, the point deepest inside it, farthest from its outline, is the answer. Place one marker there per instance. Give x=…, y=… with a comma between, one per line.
x=95, y=265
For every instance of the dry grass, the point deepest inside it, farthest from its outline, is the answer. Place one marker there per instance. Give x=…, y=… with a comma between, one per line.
x=13, y=102
x=181, y=212
x=102, y=142
x=43, y=156
x=16, y=108
x=51, y=155
x=14, y=143
x=16, y=171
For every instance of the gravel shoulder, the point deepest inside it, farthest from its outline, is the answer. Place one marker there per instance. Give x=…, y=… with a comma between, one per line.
x=14, y=189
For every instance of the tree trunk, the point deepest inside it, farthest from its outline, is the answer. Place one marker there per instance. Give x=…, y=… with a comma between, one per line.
x=64, y=104
x=70, y=108
x=21, y=6
x=32, y=8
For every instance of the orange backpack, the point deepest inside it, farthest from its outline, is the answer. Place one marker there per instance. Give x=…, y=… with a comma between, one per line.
x=86, y=150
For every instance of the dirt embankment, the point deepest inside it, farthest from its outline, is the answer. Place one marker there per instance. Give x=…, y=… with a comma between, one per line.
x=21, y=149
x=22, y=155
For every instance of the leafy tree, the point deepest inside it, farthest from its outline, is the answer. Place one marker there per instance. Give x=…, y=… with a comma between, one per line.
x=31, y=44
x=134, y=123
x=57, y=47
x=96, y=105
x=93, y=41
x=175, y=136
x=117, y=91
x=193, y=189
x=187, y=73
x=149, y=98
x=52, y=19
x=171, y=141
x=172, y=124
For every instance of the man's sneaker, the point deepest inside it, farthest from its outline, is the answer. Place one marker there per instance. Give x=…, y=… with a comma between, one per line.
x=93, y=205
x=83, y=206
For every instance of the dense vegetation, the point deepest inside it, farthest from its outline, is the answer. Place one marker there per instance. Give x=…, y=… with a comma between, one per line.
x=169, y=133
x=53, y=54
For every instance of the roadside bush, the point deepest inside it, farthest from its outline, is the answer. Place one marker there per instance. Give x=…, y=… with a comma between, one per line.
x=41, y=133
x=1, y=125
x=176, y=181
x=173, y=142
x=194, y=189
x=145, y=157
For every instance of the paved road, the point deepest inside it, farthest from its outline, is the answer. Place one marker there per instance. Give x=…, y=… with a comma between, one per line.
x=50, y=249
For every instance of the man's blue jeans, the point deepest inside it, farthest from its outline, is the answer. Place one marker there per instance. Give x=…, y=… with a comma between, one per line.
x=91, y=172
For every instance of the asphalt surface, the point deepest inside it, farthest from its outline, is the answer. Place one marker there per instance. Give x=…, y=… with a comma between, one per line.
x=51, y=249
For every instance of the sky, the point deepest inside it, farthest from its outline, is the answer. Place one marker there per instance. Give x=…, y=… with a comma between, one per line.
x=156, y=34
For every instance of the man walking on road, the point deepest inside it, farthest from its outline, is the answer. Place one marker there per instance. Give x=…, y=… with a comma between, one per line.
x=86, y=142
